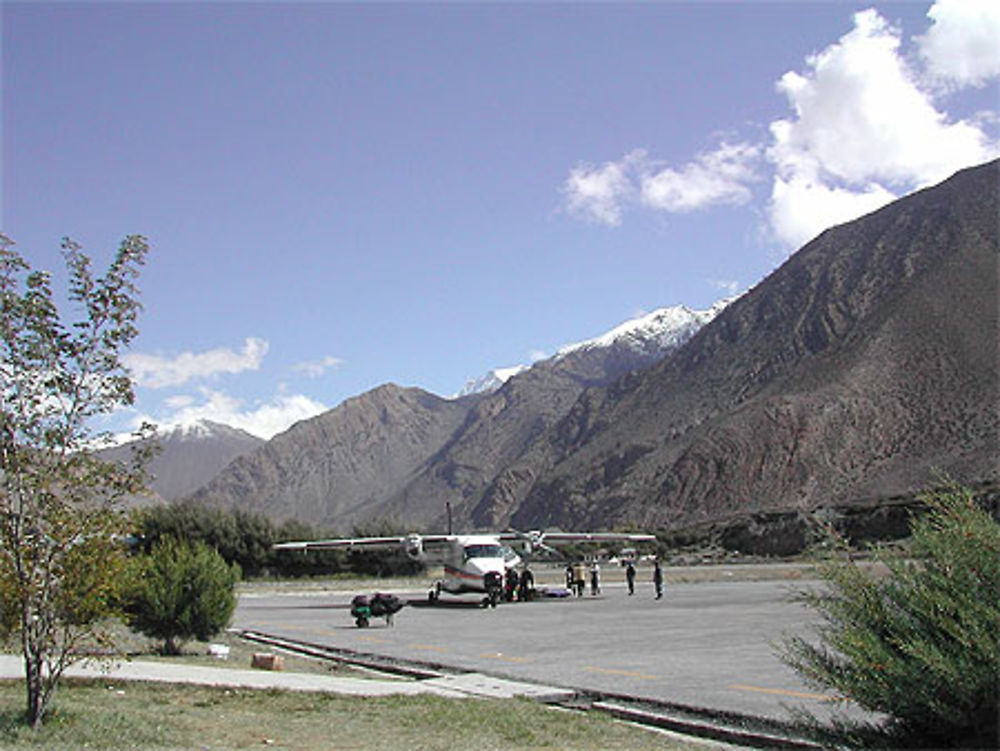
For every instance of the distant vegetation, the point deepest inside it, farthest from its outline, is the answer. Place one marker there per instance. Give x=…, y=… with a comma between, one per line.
x=918, y=645
x=247, y=539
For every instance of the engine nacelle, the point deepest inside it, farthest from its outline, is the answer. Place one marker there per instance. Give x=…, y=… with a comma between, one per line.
x=414, y=547
x=532, y=541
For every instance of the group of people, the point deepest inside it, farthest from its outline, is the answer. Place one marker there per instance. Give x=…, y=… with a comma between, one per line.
x=657, y=578
x=576, y=578
x=576, y=574
x=520, y=587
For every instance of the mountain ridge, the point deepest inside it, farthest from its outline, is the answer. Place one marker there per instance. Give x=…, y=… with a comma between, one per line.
x=826, y=350
x=457, y=459
x=863, y=364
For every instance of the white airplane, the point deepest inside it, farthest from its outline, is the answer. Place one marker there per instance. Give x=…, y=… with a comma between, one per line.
x=472, y=562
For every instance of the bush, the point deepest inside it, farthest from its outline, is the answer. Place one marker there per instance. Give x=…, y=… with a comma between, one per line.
x=181, y=591
x=919, y=645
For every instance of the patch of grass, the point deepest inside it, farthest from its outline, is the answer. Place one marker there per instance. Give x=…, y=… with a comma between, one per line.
x=138, y=647
x=241, y=652
x=113, y=716
x=94, y=715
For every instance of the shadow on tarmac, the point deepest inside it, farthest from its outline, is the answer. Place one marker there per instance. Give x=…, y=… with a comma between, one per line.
x=445, y=604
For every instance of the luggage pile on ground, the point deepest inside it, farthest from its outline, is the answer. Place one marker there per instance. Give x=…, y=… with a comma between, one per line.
x=379, y=605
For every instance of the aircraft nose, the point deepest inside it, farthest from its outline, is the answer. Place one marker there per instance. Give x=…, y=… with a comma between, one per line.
x=485, y=566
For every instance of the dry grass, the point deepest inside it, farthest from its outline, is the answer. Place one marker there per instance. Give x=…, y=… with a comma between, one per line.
x=105, y=715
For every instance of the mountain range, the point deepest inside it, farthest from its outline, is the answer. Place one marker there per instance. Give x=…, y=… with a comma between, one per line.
x=864, y=367
x=405, y=453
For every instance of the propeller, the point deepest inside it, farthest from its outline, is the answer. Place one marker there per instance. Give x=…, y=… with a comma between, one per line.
x=534, y=540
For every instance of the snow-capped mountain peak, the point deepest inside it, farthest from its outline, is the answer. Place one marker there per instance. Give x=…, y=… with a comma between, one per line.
x=651, y=335
x=659, y=328
x=491, y=381
x=198, y=430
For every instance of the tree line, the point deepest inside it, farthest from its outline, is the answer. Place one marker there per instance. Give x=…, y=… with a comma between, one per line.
x=247, y=539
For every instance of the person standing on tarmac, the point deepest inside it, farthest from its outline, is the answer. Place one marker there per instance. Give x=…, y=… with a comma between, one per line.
x=579, y=577
x=511, y=583
x=527, y=585
x=630, y=577
x=658, y=578
x=595, y=578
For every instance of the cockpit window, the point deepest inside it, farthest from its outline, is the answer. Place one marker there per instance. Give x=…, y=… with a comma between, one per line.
x=483, y=551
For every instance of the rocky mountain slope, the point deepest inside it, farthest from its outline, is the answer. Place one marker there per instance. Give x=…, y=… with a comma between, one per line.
x=338, y=467
x=859, y=369
x=405, y=453
x=471, y=470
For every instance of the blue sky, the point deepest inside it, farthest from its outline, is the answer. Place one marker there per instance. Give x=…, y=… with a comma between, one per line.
x=340, y=195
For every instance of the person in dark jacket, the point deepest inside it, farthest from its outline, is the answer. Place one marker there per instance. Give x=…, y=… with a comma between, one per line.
x=527, y=586
x=630, y=577
x=511, y=584
x=658, y=578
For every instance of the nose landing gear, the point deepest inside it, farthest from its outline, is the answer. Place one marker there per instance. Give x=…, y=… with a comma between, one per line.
x=493, y=584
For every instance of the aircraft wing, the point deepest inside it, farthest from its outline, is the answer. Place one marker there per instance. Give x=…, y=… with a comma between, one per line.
x=556, y=538
x=366, y=543
x=567, y=537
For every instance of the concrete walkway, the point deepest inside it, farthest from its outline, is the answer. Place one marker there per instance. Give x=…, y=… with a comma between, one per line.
x=453, y=686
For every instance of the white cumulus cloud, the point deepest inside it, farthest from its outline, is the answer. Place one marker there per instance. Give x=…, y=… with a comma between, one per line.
x=598, y=194
x=863, y=132
x=716, y=177
x=962, y=46
x=158, y=371
x=860, y=115
x=864, y=127
x=801, y=207
x=264, y=420
x=601, y=194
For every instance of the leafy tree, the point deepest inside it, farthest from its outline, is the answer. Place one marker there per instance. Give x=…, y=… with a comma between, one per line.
x=919, y=645
x=181, y=591
x=60, y=565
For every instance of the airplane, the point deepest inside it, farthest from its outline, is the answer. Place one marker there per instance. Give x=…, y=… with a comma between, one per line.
x=473, y=563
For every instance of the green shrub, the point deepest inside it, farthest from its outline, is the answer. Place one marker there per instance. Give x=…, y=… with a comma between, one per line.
x=920, y=645
x=181, y=591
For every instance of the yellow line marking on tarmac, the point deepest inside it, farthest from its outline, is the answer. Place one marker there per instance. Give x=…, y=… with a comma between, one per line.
x=784, y=692
x=372, y=639
x=502, y=656
x=428, y=647
x=628, y=673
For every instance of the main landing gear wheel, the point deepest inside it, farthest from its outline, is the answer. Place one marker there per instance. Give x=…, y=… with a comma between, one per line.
x=435, y=593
